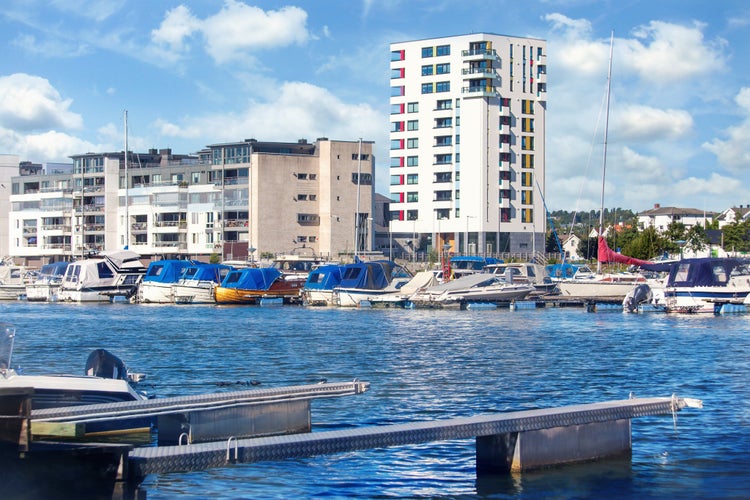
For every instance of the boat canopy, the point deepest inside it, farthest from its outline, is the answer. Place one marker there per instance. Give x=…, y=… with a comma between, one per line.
x=370, y=275
x=251, y=278
x=473, y=263
x=206, y=272
x=325, y=277
x=54, y=269
x=166, y=271
x=708, y=271
x=123, y=259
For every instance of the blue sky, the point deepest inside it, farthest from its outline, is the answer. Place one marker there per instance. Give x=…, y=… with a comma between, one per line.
x=198, y=72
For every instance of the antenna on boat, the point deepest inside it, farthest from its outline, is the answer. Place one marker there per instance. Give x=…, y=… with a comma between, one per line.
x=604, y=159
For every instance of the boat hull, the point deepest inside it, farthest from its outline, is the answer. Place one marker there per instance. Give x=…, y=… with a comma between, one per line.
x=42, y=292
x=592, y=290
x=155, y=293
x=12, y=292
x=202, y=292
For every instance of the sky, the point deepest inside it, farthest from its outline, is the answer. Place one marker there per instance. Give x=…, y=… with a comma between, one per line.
x=197, y=72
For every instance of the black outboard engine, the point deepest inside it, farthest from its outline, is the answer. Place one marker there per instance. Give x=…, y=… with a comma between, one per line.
x=638, y=295
x=102, y=363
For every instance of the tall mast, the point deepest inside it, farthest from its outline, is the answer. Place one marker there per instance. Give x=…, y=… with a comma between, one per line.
x=604, y=159
x=127, y=184
x=356, y=215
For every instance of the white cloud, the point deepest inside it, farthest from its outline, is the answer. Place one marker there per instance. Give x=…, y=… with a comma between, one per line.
x=662, y=53
x=30, y=102
x=239, y=27
x=178, y=24
x=298, y=110
x=640, y=123
x=734, y=152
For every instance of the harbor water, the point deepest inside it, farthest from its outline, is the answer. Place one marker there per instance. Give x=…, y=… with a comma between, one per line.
x=424, y=365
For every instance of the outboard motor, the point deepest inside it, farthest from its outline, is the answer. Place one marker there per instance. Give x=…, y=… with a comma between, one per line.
x=638, y=295
x=102, y=363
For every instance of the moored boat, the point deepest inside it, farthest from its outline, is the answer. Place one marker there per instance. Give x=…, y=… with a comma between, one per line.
x=525, y=272
x=367, y=280
x=476, y=287
x=253, y=284
x=318, y=288
x=106, y=380
x=198, y=283
x=46, y=286
x=161, y=275
x=13, y=280
x=103, y=278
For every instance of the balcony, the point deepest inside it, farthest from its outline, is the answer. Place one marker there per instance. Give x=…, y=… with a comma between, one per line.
x=483, y=91
x=474, y=73
x=480, y=55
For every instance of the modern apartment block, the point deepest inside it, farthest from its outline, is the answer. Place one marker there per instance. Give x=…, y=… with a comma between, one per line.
x=239, y=200
x=467, y=159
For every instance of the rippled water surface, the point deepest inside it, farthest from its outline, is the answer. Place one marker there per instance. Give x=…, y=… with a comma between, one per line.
x=430, y=364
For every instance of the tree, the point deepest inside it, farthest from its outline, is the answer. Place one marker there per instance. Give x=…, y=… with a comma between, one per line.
x=695, y=239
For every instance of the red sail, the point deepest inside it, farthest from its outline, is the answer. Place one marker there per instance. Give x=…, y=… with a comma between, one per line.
x=608, y=255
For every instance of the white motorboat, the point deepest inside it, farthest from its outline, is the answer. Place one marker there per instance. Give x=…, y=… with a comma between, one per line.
x=46, y=287
x=103, y=278
x=477, y=287
x=13, y=280
x=106, y=381
x=525, y=272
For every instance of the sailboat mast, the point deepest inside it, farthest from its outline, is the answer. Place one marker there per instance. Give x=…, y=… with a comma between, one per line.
x=127, y=183
x=356, y=216
x=604, y=159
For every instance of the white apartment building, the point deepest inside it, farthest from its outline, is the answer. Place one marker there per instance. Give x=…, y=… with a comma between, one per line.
x=467, y=142
x=239, y=200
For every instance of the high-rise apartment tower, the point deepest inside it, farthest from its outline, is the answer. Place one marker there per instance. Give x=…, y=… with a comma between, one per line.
x=467, y=142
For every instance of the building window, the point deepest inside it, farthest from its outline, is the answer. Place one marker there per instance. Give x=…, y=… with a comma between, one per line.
x=527, y=179
x=443, y=122
x=527, y=215
x=362, y=179
x=397, y=73
x=527, y=143
x=397, y=144
x=397, y=55
x=426, y=88
x=527, y=161
x=397, y=126
x=527, y=197
x=397, y=180
x=426, y=51
x=412, y=143
x=397, y=161
x=443, y=50
x=412, y=161
x=427, y=70
x=442, y=69
x=527, y=106
x=442, y=177
x=412, y=107
x=412, y=179
x=397, y=109
x=443, y=213
x=443, y=159
x=443, y=87
x=527, y=124
x=397, y=91
x=412, y=214
x=396, y=197
x=412, y=125
x=443, y=140
x=412, y=197
x=444, y=104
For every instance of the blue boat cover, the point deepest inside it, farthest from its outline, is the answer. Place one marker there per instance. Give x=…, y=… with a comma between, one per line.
x=561, y=270
x=166, y=271
x=708, y=271
x=206, y=272
x=251, y=278
x=372, y=275
x=324, y=277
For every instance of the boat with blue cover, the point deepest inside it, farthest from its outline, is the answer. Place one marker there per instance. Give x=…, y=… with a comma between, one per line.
x=197, y=284
x=252, y=284
x=161, y=275
x=367, y=280
x=318, y=289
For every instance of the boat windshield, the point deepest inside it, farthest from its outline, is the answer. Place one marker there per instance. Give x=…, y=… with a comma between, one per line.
x=7, y=334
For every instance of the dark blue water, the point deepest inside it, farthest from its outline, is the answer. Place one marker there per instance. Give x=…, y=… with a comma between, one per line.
x=429, y=364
